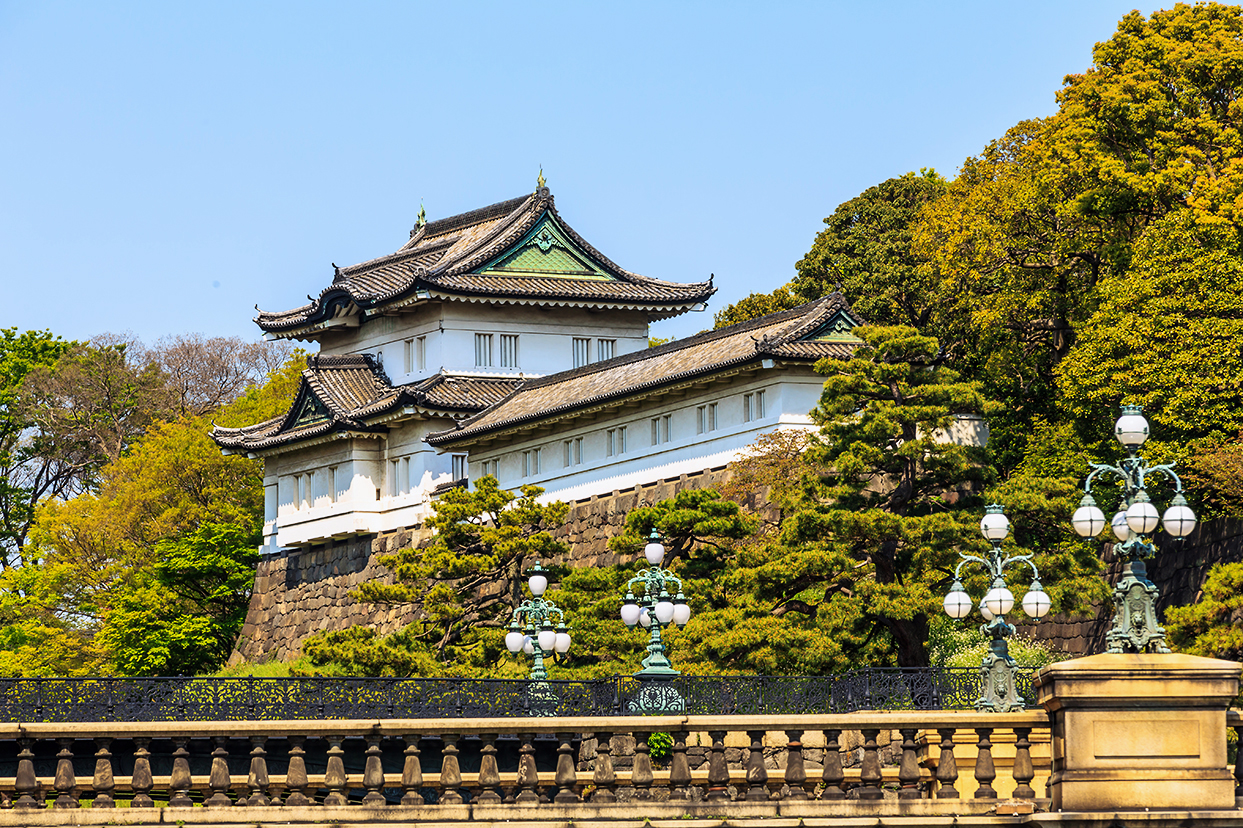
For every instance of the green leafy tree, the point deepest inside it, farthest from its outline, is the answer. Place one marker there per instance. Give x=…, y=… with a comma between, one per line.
x=1213, y=625
x=469, y=577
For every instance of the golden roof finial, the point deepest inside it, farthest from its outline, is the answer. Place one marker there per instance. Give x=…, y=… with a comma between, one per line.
x=422, y=219
x=540, y=183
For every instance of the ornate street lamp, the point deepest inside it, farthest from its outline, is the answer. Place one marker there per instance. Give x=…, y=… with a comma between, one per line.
x=531, y=631
x=997, y=670
x=1135, y=627
x=660, y=604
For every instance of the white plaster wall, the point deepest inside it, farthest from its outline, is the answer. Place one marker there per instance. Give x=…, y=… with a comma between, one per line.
x=789, y=395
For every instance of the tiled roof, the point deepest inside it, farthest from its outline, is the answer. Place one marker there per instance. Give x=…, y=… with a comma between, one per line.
x=462, y=256
x=341, y=393
x=805, y=333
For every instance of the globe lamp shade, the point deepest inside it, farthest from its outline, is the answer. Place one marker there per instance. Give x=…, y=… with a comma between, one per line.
x=528, y=645
x=681, y=613
x=1142, y=517
x=514, y=641
x=1088, y=520
x=562, y=644
x=995, y=526
x=999, y=600
x=664, y=611
x=1179, y=521
x=957, y=602
x=1131, y=428
x=630, y=612
x=1036, y=602
x=538, y=584
x=988, y=616
x=645, y=618
x=1121, y=531
x=547, y=639
x=654, y=552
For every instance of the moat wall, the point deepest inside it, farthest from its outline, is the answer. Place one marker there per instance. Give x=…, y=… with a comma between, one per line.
x=306, y=591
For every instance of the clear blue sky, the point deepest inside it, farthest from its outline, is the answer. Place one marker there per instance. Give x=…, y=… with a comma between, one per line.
x=166, y=166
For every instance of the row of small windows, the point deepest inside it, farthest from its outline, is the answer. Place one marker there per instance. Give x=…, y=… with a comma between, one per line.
x=414, y=351
x=303, y=487
x=605, y=349
x=484, y=354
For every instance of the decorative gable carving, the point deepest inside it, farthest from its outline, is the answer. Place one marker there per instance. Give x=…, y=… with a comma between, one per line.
x=546, y=251
x=839, y=328
x=313, y=411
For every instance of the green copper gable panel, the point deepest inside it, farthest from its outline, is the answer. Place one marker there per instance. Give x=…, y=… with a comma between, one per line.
x=313, y=411
x=546, y=251
x=837, y=329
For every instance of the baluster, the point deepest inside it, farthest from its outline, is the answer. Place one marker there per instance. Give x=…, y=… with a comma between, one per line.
x=718, y=771
x=566, y=777
x=679, y=769
x=528, y=777
x=908, y=770
x=489, y=773
x=141, y=782
x=605, y=778
x=179, y=782
x=412, y=772
x=947, y=768
x=833, y=775
x=65, y=781
x=1024, y=773
x=796, y=772
x=257, y=778
x=26, y=783
x=296, y=782
x=103, y=784
x=757, y=774
x=450, y=772
x=985, y=773
x=219, y=781
x=334, y=775
x=373, y=772
x=641, y=776
x=869, y=768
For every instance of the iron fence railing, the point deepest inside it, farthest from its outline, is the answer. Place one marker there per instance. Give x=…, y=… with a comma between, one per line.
x=256, y=699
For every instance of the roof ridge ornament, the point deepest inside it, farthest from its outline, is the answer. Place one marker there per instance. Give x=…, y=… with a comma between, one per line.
x=540, y=182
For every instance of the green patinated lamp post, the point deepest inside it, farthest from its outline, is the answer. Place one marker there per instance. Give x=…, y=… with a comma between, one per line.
x=531, y=631
x=660, y=604
x=998, y=690
x=1135, y=626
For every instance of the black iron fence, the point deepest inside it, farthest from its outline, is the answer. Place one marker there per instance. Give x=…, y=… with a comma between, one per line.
x=255, y=699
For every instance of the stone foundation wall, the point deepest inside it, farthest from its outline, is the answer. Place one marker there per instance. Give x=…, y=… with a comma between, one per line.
x=301, y=592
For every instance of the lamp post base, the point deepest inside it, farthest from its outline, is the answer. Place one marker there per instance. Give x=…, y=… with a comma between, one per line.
x=1135, y=627
x=656, y=695
x=999, y=692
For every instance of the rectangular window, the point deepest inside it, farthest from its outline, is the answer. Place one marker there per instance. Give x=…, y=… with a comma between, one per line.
x=667, y=423
x=748, y=406
x=759, y=405
x=655, y=431
x=394, y=483
x=701, y=419
x=606, y=348
x=404, y=475
x=408, y=353
x=332, y=484
x=483, y=350
x=660, y=429
x=531, y=462
x=610, y=442
x=711, y=416
x=574, y=452
x=582, y=352
x=489, y=467
x=420, y=353
x=301, y=501
x=509, y=350
x=621, y=440
x=459, y=466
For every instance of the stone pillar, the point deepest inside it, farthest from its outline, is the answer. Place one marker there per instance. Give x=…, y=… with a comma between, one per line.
x=1136, y=730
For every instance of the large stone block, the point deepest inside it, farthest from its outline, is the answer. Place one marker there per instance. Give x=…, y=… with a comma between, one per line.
x=1135, y=731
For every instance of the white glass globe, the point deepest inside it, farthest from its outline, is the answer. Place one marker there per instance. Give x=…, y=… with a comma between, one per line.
x=514, y=641
x=957, y=603
x=988, y=616
x=681, y=614
x=1119, y=526
x=1142, y=517
x=664, y=611
x=1088, y=520
x=547, y=640
x=999, y=600
x=538, y=584
x=1036, y=602
x=995, y=526
x=1131, y=428
x=630, y=614
x=528, y=645
x=645, y=618
x=1179, y=521
x=654, y=552
x=562, y=644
